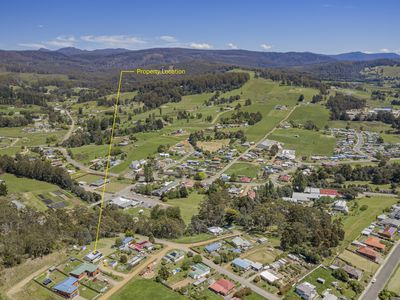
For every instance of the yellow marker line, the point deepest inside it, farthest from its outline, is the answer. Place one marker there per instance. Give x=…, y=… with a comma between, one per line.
x=109, y=157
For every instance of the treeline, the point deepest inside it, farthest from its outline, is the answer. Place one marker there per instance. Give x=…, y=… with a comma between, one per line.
x=43, y=170
x=303, y=230
x=157, y=93
x=216, y=100
x=240, y=117
x=200, y=135
x=291, y=77
x=23, y=96
x=340, y=103
x=28, y=233
x=23, y=119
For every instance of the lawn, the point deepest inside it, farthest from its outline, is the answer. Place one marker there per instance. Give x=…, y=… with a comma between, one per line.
x=359, y=261
x=243, y=169
x=146, y=290
x=262, y=255
x=34, y=291
x=314, y=112
x=189, y=206
x=355, y=222
x=305, y=142
x=202, y=237
x=394, y=282
x=21, y=184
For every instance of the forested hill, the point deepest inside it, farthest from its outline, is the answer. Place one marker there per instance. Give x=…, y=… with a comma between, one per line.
x=70, y=59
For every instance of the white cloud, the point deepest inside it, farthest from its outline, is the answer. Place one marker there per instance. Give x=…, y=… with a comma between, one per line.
x=384, y=50
x=32, y=45
x=200, y=46
x=232, y=46
x=114, y=40
x=62, y=41
x=266, y=46
x=168, y=38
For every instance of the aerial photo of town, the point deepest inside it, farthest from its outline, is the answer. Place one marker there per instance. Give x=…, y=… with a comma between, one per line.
x=201, y=150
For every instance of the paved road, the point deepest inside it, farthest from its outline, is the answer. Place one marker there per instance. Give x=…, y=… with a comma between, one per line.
x=236, y=159
x=360, y=142
x=383, y=274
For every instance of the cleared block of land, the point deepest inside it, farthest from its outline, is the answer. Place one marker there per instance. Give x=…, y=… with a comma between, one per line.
x=145, y=289
x=359, y=261
x=244, y=169
x=394, y=282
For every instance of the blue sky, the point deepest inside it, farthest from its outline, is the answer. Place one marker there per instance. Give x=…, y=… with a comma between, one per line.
x=322, y=26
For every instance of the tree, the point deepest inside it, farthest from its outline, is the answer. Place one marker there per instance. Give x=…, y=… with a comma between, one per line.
x=3, y=189
x=341, y=275
x=301, y=98
x=123, y=259
x=299, y=182
x=148, y=173
x=197, y=258
x=163, y=273
x=118, y=242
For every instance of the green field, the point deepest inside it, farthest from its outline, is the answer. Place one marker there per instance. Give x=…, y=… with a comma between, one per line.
x=355, y=222
x=189, y=206
x=243, y=169
x=305, y=142
x=317, y=113
x=146, y=290
x=394, y=282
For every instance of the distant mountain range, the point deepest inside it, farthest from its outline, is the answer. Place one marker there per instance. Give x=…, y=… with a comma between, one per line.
x=73, y=60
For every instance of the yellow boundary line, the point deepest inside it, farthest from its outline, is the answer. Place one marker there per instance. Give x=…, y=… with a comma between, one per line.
x=109, y=155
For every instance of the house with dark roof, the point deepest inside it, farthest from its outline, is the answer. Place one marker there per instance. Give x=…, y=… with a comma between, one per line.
x=68, y=288
x=85, y=269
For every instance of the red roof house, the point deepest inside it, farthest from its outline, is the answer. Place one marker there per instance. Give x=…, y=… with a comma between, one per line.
x=368, y=252
x=251, y=194
x=222, y=286
x=388, y=232
x=329, y=192
x=245, y=179
x=284, y=178
x=374, y=243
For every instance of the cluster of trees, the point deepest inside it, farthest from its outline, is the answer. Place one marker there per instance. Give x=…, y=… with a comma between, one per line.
x=216, y=100
x=151, y=123
x=239, y=117
x=162, y=223
x=23, y=96
x=43, y=170
x=200, y=135
x=23, y=119
x=395, y=102
x=304, y=230
x=31, y=234
x=95, y=131
x=157, y=93
x=340, y=103
x=292, y=77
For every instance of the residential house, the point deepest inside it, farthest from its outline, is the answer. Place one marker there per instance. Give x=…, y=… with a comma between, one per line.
x=213, y=247
x=215, y=230
x=174, y=256
x=306, y=291
x=375, y=243
x=143, y=245
x=368, y=253
x=388, y=232
x=353, y=272
x=242, y=264
x=68, y=288
x=99, y=183
x=269, y=276
x=341, y=205
x=93, y=256
x=222, y=286
x=85, y=269
x=199, y=271
x=239, y=242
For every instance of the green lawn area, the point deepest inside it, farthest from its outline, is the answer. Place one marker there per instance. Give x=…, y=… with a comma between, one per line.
x=355, y=222
x=189, y=206
x=244, y=169
x=194, y=238
x=305, y=142
x=145, y=290
x=262, y=255
x=21, y=184
x=317, y=113
x=394, y=282
x=358, y=261
x=34, y=291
